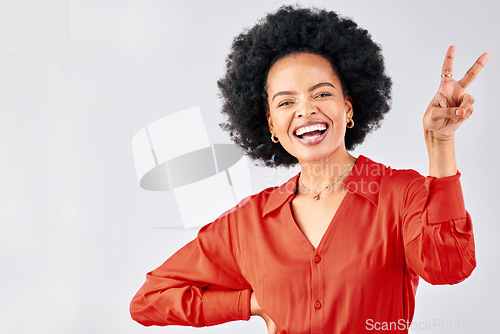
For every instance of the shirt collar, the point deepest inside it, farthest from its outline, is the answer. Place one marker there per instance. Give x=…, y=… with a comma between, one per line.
x=364, y=180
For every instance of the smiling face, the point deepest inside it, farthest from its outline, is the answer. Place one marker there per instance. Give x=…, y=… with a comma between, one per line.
x=307, y=109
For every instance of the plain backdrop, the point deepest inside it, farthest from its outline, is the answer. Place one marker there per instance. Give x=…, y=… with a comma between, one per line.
x=79, y=78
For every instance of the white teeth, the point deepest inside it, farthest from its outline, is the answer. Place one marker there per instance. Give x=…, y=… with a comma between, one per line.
x=311, y=128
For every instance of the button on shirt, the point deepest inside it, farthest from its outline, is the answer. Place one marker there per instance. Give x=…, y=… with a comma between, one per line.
x=391, y=227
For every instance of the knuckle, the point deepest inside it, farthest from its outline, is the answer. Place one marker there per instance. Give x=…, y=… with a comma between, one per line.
x=472, y=73
x=448, y=69
x=434, y=114
x=468, y=100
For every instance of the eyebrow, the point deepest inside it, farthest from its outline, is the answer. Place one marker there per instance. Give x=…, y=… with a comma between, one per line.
x=288, y=92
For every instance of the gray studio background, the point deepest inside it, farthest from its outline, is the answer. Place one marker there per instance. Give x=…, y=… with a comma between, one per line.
x=79, y=78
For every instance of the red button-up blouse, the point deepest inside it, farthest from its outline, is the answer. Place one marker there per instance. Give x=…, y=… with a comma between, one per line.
x=391, y=227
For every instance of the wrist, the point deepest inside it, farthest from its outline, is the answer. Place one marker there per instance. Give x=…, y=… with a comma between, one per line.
x=433, y=138
x=441, y=151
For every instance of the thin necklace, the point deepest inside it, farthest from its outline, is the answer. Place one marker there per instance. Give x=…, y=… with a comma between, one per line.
x=318, y=193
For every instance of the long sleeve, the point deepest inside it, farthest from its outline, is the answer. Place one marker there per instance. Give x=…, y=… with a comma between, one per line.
x=199, y=285
x=437, y=230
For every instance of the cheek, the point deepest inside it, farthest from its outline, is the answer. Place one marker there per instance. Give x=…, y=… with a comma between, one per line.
x=281, y=123
x=341, y=117
x=339, y=123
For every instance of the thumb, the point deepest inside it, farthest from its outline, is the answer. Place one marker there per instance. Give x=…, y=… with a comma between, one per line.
x=436, y=113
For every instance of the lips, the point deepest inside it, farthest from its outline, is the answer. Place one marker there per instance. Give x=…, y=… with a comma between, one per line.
x=311, y=133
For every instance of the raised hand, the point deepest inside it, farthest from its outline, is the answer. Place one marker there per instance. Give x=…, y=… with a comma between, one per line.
x=451, y=106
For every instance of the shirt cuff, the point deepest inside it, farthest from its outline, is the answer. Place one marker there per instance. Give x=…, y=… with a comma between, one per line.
x=445, y=199
x=220, y=306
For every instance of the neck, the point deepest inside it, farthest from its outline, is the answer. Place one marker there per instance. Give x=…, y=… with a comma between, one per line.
x=319, y=174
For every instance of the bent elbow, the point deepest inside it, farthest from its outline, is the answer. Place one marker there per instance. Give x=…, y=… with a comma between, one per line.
x=139, y=310
x=450, y=276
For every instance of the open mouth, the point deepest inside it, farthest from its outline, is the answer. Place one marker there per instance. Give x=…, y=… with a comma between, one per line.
x=311, y=131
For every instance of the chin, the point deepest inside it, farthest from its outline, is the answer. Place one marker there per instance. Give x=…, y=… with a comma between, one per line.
x=314, y=157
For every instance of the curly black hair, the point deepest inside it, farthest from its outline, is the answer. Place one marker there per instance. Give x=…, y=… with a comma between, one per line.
x=356, y=59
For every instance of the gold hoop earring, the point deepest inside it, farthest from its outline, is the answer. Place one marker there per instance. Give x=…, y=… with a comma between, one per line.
x=274, y=139
x=350, y=123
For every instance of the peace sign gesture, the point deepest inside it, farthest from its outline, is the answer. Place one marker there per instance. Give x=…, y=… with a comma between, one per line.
x=451, y=106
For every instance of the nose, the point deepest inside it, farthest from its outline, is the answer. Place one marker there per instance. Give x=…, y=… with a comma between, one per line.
x=306, y=109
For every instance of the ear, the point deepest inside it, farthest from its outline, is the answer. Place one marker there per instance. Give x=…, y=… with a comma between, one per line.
x=348, y=107
x=270, y=122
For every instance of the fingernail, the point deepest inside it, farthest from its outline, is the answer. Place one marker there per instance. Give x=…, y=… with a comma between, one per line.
x=459, y=112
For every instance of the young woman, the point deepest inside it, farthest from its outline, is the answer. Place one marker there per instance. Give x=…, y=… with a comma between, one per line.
x=340, y=246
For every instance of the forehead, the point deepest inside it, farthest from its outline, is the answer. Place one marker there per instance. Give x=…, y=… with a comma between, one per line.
x=300, y=68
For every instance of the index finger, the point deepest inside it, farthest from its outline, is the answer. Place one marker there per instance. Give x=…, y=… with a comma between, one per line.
x=448, y=62
x=474, y=70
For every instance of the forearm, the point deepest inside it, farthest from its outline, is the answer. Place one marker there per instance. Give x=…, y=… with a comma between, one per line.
x=442, y=159
x=439, y=241
x=189, y=306
x=200, y=285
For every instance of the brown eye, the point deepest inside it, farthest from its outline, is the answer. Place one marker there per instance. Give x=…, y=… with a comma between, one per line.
x=323, y=95
x=284, y=103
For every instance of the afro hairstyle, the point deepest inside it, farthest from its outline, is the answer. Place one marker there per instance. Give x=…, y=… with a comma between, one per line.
x=354, y=56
